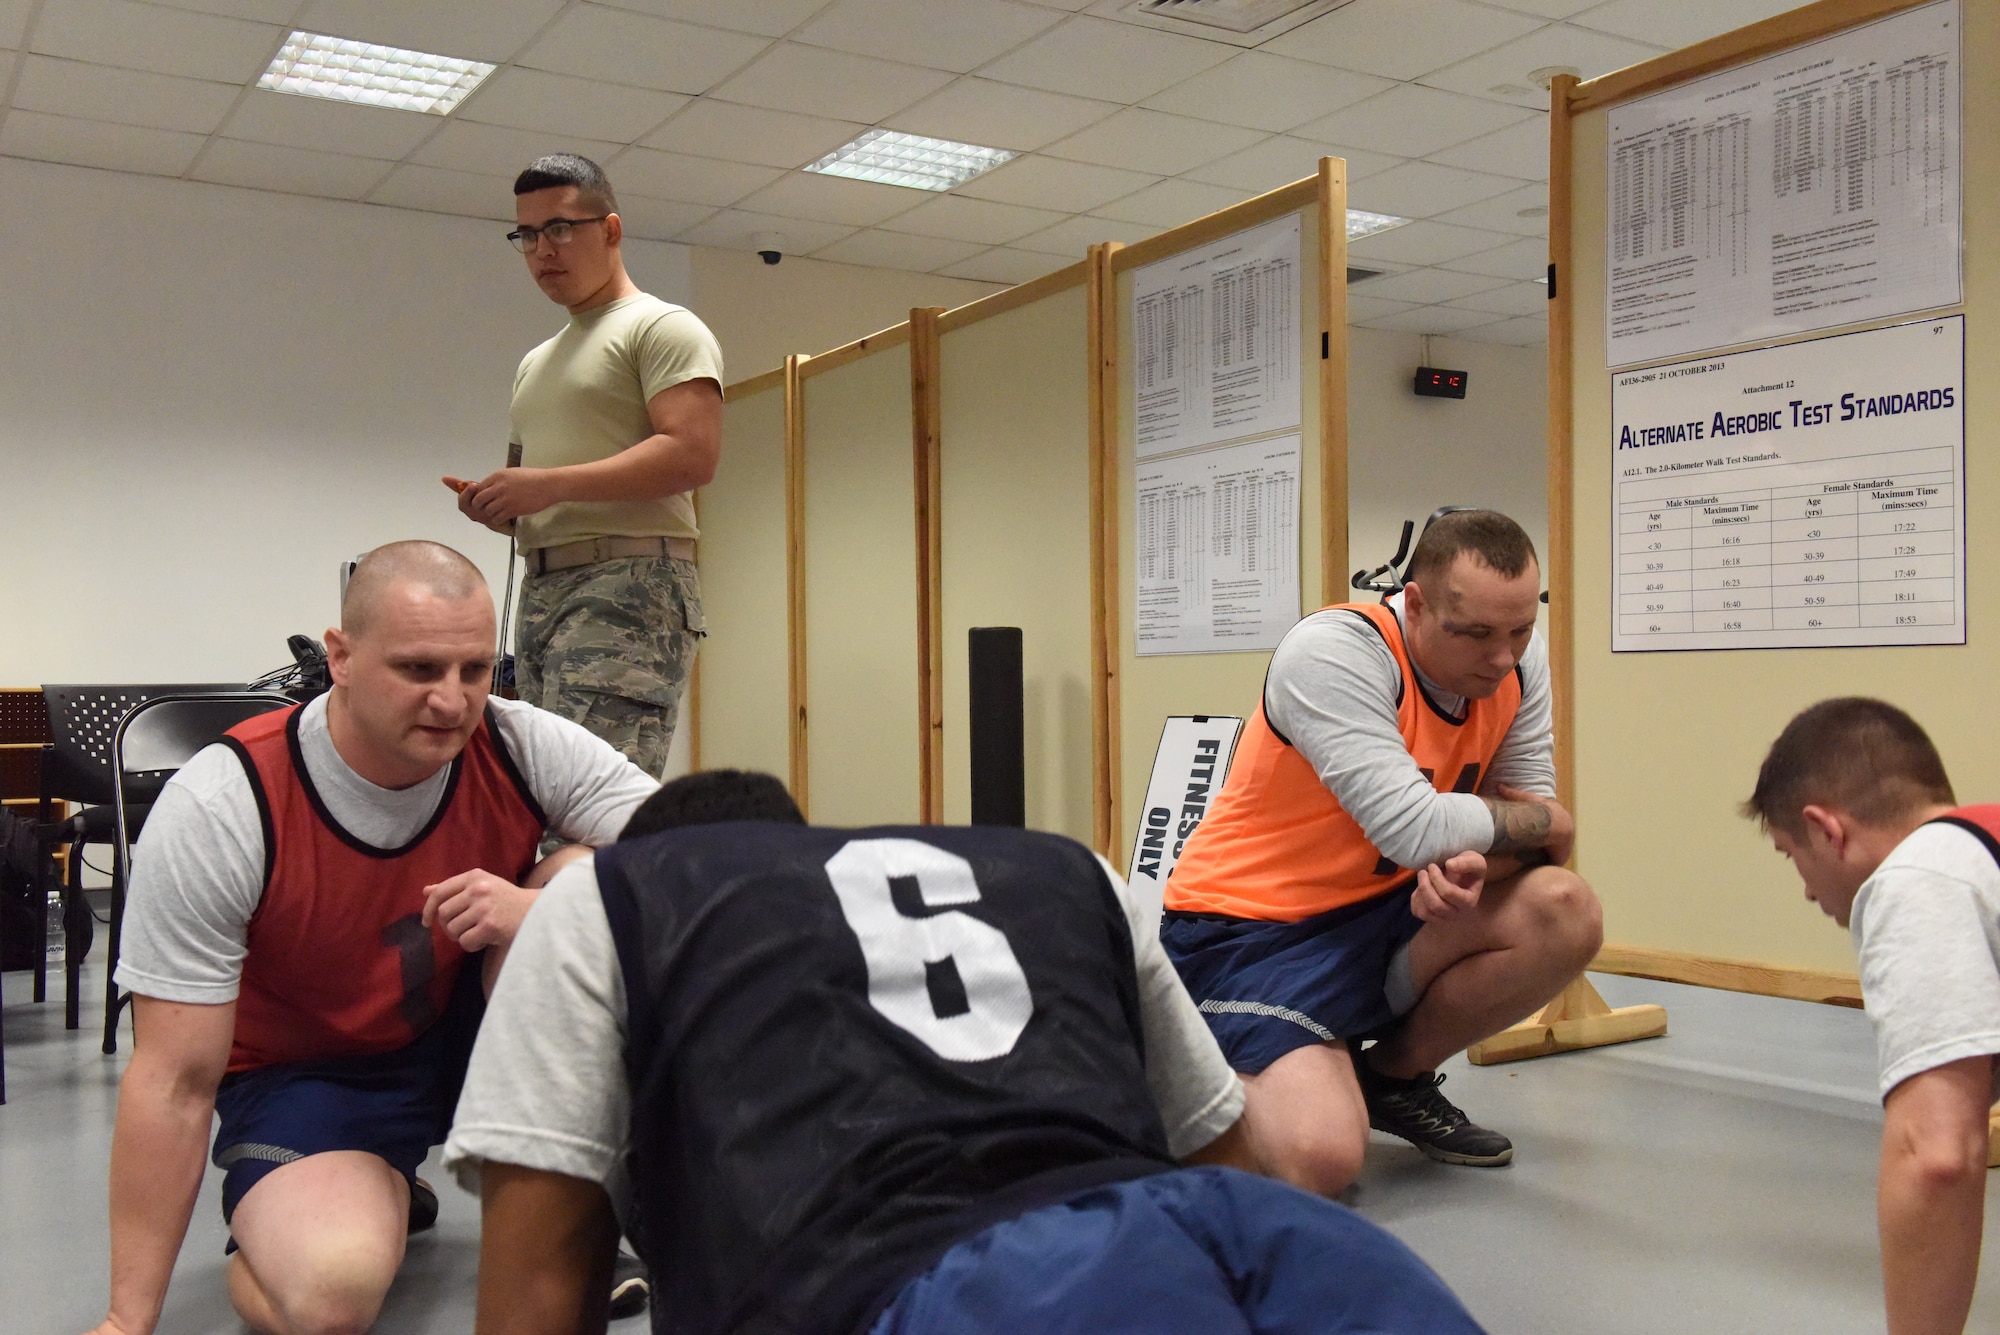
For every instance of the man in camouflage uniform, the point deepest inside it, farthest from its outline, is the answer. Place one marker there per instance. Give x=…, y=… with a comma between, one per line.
x=617, y=419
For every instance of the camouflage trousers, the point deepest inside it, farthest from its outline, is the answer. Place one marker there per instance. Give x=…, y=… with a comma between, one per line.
x=609, y=645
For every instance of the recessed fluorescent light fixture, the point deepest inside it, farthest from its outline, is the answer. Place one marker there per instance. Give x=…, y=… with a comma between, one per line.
x=1360, y=223
x=892, y=158
x=312, y=64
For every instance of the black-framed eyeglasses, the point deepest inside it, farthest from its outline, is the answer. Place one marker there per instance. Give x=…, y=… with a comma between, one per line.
x=557, y=230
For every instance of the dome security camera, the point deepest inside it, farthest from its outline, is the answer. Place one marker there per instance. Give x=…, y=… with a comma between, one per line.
x=770, y=246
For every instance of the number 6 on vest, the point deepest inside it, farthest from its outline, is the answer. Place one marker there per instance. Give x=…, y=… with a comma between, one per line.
x=906, y=956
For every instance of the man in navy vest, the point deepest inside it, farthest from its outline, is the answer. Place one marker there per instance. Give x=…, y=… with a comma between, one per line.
x=1855, y=795
x=901, y=1079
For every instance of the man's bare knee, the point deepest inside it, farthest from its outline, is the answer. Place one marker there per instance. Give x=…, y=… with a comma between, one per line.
x=546, y=869
x=1566, y=911
x=1306, y=1121
x=1325, y=1165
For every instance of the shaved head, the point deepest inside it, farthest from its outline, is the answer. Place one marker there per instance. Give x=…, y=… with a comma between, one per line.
x=431, y=566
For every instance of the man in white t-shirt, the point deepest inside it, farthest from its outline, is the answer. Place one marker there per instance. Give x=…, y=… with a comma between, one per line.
x=901, y=1080
x=615, y=421
x=1855, y=795
x=308, y=902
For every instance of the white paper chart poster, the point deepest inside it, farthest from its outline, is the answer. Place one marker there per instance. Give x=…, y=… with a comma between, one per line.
x=1215, y=341
x=1803, y=496
x=1814, y=188
x=1218, y=548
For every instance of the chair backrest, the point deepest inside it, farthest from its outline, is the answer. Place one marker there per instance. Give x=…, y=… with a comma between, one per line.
x=159, y=735
x=82, y=721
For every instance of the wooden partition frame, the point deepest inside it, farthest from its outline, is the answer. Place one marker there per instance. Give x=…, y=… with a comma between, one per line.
x=1569, y=100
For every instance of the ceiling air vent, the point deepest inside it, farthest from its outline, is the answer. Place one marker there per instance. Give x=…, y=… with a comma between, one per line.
x=1238, y=22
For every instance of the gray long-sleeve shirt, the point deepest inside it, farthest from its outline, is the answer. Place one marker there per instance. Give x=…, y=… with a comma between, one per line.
x=1332, y=692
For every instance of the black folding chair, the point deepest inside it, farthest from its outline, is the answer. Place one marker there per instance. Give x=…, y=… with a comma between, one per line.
x=151, y=742
x=83, y=720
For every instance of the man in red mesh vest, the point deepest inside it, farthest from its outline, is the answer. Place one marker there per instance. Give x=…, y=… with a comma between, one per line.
x=1855, y=795
x=315, y=904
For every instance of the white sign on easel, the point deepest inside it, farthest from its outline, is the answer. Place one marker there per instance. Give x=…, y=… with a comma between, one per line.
x=1188, y=771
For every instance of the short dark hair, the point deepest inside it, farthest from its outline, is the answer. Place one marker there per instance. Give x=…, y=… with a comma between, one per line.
x=1495, y=540
x=593, y=187
x=1861, y=756
x=713, y=796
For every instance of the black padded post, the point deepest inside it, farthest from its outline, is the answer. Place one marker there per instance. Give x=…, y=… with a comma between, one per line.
x=999, y=765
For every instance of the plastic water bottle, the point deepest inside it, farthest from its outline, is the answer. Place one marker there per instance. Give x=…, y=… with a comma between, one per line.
x=55, y=928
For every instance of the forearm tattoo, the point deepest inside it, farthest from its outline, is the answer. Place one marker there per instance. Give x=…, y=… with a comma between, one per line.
x=1518, y=827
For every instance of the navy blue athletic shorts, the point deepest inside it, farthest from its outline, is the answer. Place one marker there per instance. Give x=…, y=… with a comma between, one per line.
x=1267, y=988
x=1205, y=1251
x=392, y=1104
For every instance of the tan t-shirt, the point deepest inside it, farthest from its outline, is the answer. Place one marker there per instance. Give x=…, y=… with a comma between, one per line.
x=582, y=396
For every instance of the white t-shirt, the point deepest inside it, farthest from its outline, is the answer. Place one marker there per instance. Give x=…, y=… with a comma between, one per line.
x=1927, y=925
x=548, y=1088
x=1331, y=692
x=198, y=870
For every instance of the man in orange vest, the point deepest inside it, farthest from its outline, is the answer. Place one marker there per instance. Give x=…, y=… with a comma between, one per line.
x=1384, y=862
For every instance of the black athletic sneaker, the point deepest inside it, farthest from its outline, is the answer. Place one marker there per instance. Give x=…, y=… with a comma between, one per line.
x=423, y=1206
x=1415, y=1110
x=630, y=1288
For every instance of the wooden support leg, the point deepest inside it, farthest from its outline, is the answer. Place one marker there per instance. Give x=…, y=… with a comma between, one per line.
x=1993, y=1138
x=1577, y=1018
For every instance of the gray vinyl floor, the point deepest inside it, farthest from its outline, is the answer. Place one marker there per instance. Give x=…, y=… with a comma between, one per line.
x=1720, y=1179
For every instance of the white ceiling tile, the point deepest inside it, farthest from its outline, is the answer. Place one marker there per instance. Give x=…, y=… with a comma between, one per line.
x=1503, y=213
x=1413, y=121
x=1266, y=92
x=558, y=104
x=1548, y=9
x=490, y=30
x=147, y=37
x=1055, y=183
x=768, y=18
x=1522, y=149
x=834, y=199
x=1507, y=67
x=1512, y=299
x=1424, y=243
x=712, y=129
x=1153, y=141
x=1431, y=320
x=814, y=81
x=436, y=190
x=1424, y=189
x=14, y=21
x=261, y=11
x=127, y=97
x=1518, y=259
x=896, y=250
x=125, y=148
x=1091, y=57
x=1002, y=265
x=693, y=180
x=1361, y=307
x=959, y=219
x=1075, y=236
x=1426, y=287
x=1401, y=39
x=331, y=127
x=1072, y=6
x=1002, y=115
x=6, y=68
x=1281, y=159
x=618, y=46
x=501, y=150
x=1682, y=23
x=292, y=171
x=1522, y=332
x=960, y=36
x=659, y=219
x=737, y=229
x=1171, y=203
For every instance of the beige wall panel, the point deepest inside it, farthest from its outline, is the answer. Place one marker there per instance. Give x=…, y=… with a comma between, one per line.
x=1152, y=689
x=1669, y=743
x=743, y=660
x=1015, y=447
x=861, y=593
